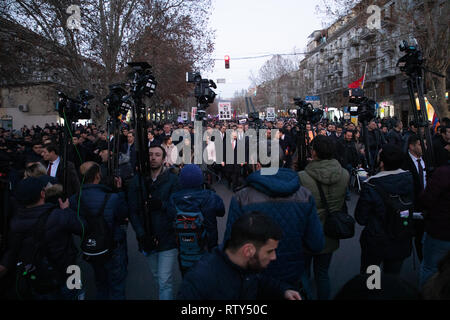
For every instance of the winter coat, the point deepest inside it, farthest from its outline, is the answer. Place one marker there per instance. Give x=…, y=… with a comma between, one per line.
x=395, y=137
x=334, y=180
x=161, y=219
x=215, y=277
x=116, y=209
x=281, y=197
x=60, y=226
x=371, y=213
x=436, y=201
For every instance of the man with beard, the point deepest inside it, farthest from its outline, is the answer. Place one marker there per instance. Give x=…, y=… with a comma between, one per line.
x=232, y=271
x=158, y=185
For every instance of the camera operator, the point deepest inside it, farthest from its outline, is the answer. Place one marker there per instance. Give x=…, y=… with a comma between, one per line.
x=158, y=185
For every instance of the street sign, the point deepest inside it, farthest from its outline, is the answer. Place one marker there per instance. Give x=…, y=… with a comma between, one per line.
x=224, y=111
x=193, y=113
x=184, y=115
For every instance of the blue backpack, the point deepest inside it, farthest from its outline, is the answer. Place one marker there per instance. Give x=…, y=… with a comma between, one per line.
x=191, y=235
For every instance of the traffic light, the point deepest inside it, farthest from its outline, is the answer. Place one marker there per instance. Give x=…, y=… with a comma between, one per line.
x=227, y=62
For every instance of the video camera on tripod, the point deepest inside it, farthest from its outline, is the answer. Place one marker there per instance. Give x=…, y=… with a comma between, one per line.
x=365, y=107
x=142, y=81
x=74, y=109
x=118, y=101
x=412, y=64
x=306, y=112
x=203, y=92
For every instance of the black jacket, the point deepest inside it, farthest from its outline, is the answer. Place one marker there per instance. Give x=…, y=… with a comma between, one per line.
x=347, y=154
x=436, y=203
x=395, y=137
x=60, y=227
x=409, y=165
x=370, y=212
x=215, y=277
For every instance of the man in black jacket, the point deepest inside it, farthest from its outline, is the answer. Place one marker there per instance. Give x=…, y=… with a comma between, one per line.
x=378, y=244
x=60, y=225
x=55, y=164
x=232, y=272
x=346, y=152
x=395, y=135
x=414, y=163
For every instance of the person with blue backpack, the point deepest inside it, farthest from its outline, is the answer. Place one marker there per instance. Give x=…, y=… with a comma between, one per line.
x=195, y=211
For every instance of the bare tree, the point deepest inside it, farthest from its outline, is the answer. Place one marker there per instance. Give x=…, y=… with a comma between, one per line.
x=270, y=76
x=111, y=30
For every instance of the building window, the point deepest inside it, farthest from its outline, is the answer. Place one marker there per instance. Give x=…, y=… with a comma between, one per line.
x=382, y=89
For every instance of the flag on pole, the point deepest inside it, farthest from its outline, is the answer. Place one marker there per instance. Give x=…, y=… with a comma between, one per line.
x=435, y=122
x=364, y=78
x=357, y=84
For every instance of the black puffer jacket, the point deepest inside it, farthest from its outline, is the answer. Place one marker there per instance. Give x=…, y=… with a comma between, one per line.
x=370, y=212
x=61, y=224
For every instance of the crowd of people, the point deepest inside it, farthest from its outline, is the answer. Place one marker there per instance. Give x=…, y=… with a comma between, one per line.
x=274, y=245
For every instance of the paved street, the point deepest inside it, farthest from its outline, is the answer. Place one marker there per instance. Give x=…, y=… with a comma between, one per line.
x=140, y=285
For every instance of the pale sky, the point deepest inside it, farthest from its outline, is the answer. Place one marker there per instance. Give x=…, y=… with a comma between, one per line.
x=247, y=28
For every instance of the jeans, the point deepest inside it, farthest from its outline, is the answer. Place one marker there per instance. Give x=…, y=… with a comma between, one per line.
x=162, y=265
x=321, y=278
x=434, y=250
x=110, y=277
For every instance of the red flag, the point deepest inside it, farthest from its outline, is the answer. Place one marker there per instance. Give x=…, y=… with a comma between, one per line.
x=357, y=84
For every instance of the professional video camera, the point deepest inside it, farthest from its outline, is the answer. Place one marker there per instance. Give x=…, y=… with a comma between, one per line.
x=365, y=107
x=203, y=92
x=306, y=112
x=118, y=101
x=142, y=83
x=412, y=61
x=412, y=64
x=74, y=109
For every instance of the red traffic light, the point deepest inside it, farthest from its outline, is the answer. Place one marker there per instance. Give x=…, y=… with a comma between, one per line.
x=227, y=62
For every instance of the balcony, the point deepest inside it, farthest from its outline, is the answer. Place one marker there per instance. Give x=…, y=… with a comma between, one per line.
x=387, y=72
x=370, y=55
x=355, y=60
x=368, y=34
x=388, y=48
x=354, y=42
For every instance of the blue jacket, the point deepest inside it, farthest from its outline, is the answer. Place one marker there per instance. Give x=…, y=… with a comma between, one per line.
x=116, y=209
x=207, y=202
x=162, y=221
x=60, y=227
x=215, y=277
x=370, y=212
x=293, y=207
